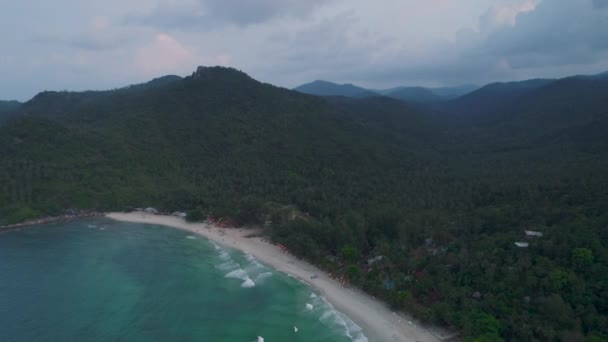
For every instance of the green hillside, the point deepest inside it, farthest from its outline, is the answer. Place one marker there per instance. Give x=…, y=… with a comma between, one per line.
x=442, y=198
x=7, y=109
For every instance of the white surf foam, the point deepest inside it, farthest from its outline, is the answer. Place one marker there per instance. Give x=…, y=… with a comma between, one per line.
x=190, y=237
x=248, y=283
x=263, y=276
x=224, y=255
x=216, y=246
x=350, y=329
x=238, y=274
x=253, y=262
x=228, y=266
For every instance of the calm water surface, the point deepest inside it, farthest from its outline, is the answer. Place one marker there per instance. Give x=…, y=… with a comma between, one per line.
x=101, y=280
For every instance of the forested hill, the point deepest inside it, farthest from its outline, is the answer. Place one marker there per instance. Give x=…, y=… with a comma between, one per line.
x=7, y=109
x=570, y=113
x=421, y=210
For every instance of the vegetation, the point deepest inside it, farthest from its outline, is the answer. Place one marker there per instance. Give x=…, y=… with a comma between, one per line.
x=7, y=108
x=421, y=210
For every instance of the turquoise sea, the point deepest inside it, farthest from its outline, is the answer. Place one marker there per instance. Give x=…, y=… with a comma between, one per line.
x=101, y=280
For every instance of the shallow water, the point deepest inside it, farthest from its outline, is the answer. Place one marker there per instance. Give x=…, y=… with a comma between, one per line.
x=101, y=280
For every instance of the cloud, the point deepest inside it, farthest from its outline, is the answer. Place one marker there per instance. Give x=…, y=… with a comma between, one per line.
x=600, y=3
x=505, y=15
x=287, y=42
x=523, y=39
x=561, y=31
x=217, y=13
x=98, y=35
x=164, y=55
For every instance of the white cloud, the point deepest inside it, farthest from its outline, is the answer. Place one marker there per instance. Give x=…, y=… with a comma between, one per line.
x=286, y=42
x=164, y=55
x=505, y=15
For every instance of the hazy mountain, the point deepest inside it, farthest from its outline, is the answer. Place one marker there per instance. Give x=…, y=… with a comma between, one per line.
x=405, y=94
x=427, y=95
x=492, y=97
x=569, y=113
x=602, y=75
x=324, y=88
x=411, y=94
x=453, y=92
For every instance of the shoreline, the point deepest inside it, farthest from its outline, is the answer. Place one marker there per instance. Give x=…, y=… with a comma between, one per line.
x=378, y=322
x=50, y=219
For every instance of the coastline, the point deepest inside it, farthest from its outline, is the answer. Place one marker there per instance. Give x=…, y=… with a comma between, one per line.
x=378, y=322
x=50, y=219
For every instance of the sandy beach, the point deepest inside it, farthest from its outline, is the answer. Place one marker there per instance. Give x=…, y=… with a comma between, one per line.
x=379, y=323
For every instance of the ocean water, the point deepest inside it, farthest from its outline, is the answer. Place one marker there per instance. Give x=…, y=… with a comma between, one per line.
x=101, y=280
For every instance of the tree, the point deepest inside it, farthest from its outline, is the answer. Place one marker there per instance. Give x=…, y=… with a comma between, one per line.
x=353, y=272
x=582, y=258
x=349, y=253
x=477, y=323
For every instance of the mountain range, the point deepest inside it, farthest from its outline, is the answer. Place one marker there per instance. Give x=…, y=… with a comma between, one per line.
x=426, y=95
x=407, y=94
x=441, y=189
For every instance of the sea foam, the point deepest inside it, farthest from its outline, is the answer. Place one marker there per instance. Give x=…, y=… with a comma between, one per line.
x=250, y=274
x=228, y=266
x=238, y=274
x=263, y=276
x=248, y=283
x=350, y=329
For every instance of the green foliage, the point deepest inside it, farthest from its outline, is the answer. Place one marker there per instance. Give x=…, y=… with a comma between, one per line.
x=196, y=215
x=582, y=257
x=18, y=213
x=481, y=324
x=349, y=253
x=353, y=272
x=7, y=110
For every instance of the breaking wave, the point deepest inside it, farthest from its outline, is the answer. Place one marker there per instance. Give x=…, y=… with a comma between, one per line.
x=335, y=319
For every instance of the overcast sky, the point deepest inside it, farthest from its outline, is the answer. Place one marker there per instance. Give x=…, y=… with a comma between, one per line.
x=80, y=44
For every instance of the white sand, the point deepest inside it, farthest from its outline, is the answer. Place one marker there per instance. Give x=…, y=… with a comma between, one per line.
x=379, y=323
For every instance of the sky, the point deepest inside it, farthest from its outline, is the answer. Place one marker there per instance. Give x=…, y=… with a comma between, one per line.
x=84, y=44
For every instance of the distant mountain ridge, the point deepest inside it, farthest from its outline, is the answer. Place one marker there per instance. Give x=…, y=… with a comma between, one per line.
x=459, y=95
x=324, y=88
x=406, y=94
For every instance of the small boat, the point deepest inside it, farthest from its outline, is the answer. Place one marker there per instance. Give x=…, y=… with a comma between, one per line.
x=295, y=329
